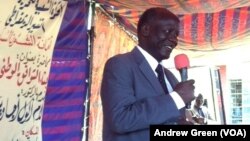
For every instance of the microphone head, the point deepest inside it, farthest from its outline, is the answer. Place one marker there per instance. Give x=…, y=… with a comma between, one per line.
x=181, y=61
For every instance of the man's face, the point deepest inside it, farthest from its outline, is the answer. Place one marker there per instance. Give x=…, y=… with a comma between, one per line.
x=199, y=101
x=163, y=38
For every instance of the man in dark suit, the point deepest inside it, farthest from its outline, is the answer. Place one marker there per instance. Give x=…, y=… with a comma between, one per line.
x=132, y=96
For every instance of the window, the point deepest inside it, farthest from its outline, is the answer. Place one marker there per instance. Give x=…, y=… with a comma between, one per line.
x=236, y=100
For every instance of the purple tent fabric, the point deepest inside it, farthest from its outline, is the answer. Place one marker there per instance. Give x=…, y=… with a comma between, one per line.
x=64, y=101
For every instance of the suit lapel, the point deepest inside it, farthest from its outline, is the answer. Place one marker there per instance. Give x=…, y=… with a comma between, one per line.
x=147, y=70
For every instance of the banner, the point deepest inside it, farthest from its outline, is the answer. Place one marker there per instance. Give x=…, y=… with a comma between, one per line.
x=28, y=31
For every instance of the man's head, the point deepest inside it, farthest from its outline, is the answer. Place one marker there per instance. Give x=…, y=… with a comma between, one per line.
x=199, y=100
x=157, y=30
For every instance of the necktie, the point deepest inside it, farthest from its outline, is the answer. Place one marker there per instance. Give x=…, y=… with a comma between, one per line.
x=201, y=112
x=161, y=78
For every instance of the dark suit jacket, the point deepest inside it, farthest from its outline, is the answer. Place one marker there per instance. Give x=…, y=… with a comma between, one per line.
x=133, y=98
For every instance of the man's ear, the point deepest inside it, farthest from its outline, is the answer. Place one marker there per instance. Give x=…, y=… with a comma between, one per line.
x=145, y=30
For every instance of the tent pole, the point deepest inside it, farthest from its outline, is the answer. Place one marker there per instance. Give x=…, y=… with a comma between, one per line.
x=90, y=28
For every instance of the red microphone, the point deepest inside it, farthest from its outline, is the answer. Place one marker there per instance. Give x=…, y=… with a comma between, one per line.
x=182, y=64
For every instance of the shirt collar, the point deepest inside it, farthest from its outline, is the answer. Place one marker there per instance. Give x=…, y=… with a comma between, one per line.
x=150, y=59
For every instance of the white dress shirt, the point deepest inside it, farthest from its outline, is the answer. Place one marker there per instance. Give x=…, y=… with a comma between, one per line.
x=153, y=64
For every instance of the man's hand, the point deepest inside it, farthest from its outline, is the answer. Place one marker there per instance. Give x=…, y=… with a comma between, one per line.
x=183, y=120
x=186, y=90
x=199, y=120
